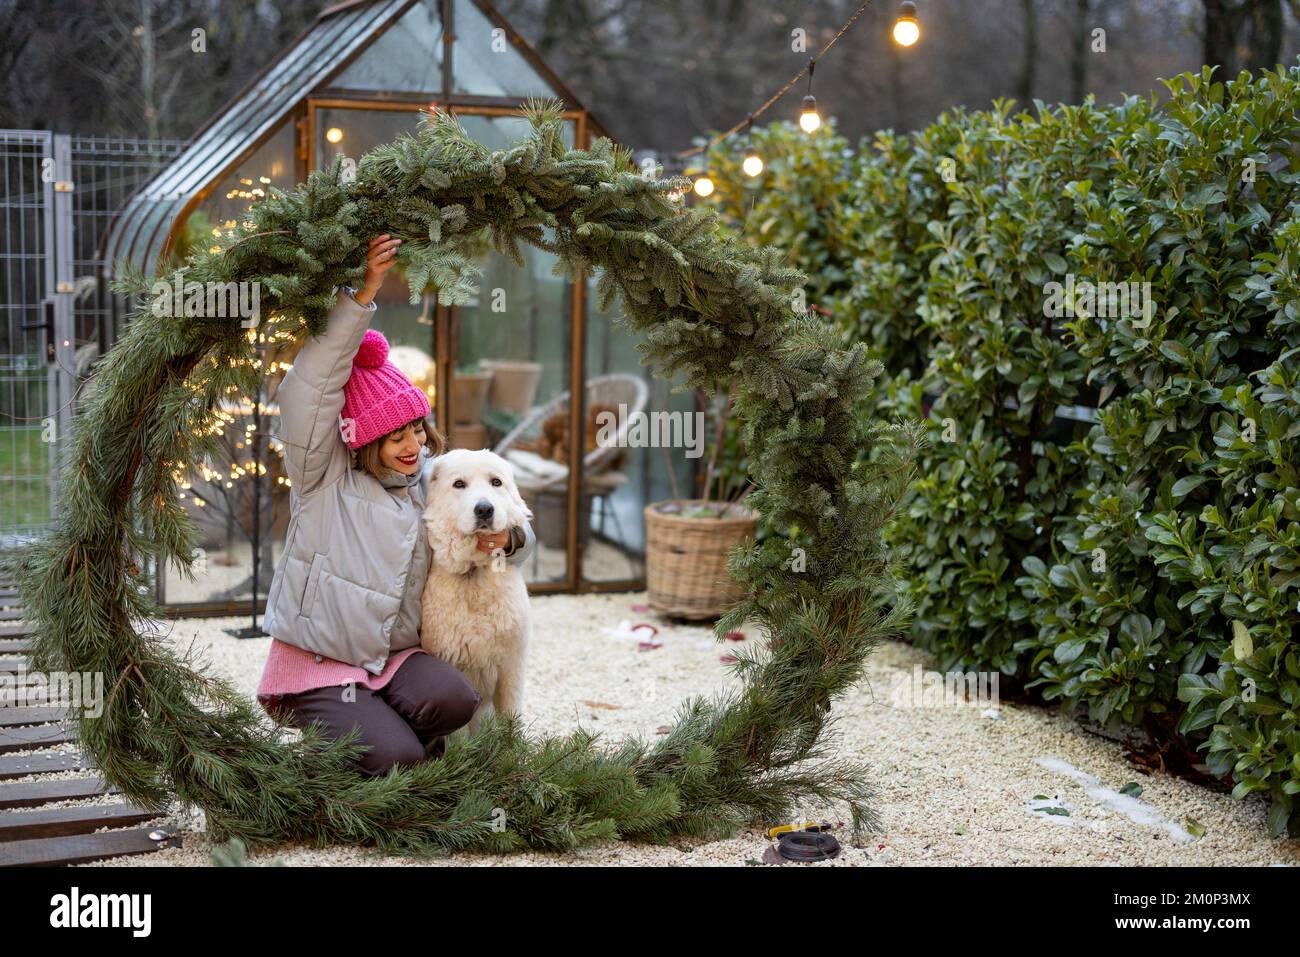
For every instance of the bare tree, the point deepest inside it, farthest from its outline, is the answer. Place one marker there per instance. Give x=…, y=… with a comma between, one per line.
x=1082, y=44
x=1266, y=26
x=1228, y=25
x=1025, y=85
x=129, y=67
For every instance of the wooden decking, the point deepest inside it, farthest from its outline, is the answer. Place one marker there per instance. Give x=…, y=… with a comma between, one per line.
x=33, y=830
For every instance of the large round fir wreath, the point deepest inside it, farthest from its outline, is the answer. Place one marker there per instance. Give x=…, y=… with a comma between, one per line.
x=711, y=307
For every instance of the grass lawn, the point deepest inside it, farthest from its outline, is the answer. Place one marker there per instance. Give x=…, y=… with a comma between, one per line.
x=24, y=478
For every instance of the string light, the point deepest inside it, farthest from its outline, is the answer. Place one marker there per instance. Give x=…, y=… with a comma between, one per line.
x=906, y=28
x=809, y=119
x=753, y=163
x=906, y=32
x=781, y=92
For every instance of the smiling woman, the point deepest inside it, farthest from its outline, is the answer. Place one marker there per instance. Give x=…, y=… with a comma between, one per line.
x=399, y=451
x=826, y=477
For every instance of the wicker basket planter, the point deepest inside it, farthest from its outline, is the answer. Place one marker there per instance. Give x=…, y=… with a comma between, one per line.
x=686, y=557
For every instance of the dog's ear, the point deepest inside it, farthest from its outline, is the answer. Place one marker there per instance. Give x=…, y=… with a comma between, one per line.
x=517, y=500
x=512, y=492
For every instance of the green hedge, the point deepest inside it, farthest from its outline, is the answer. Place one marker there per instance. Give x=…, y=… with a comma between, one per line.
x=1145, y=563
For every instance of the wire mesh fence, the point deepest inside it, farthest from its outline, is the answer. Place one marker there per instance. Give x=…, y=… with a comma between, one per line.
x=58, y=196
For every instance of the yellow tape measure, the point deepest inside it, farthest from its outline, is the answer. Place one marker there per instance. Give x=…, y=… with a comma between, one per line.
x=805, y=826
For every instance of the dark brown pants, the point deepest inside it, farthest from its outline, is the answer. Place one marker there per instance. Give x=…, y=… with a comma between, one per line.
x=402, y=723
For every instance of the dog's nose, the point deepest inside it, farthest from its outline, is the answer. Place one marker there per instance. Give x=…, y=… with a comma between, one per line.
x=484, y=510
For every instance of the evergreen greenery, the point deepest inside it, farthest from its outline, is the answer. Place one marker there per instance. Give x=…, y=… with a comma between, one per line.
x=710, y=307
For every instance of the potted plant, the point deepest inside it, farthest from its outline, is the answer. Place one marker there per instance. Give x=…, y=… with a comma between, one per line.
x=469, y=390
x=514, y=384
x=688, y=539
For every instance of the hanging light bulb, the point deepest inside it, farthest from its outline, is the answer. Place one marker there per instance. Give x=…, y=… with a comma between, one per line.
x=906, y=28
x=809, y=119
x=752, y=163
x=704, y=185
x=334, y=134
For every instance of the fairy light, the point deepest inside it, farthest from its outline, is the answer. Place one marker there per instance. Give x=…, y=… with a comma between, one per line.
x=809, y=119
x=907, y=29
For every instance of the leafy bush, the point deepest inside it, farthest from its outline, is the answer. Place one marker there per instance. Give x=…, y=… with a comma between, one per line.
x=799, y=201
x=1145, y=564
x=1180, y=574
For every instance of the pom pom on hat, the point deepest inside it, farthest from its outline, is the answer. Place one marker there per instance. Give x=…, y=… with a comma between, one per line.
x=373, y=350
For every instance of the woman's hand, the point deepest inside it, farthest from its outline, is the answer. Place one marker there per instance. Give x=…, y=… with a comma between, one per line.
x=381, y=257
x=487, y=543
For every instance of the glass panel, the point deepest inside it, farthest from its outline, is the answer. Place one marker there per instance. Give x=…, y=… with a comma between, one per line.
x=341, y=131
x=220, y=493
x=354, y=132
x=512, y=350
x=502, y=132
x=150, y=234
x=485, y=63
x=532, y=330
x=407, y=57
x=221, y=496
x=618, y=485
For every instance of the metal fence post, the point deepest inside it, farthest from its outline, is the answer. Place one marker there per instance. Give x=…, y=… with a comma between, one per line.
x=64, y=332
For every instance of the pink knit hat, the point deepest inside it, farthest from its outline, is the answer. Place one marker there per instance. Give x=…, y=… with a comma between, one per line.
x=378, y=398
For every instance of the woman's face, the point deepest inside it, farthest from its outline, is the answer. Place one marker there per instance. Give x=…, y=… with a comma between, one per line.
x=400, y=450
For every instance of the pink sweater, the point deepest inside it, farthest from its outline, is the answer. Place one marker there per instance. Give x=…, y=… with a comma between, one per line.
x=291, y=670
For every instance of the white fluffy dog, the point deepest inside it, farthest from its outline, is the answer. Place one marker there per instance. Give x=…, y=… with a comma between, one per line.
x=475, y=612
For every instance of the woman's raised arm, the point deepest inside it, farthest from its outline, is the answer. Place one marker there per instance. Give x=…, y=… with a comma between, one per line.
x=311, y=395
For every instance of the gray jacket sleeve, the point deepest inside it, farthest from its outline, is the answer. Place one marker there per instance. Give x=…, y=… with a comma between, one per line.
x=522, y=544
x=311, y=398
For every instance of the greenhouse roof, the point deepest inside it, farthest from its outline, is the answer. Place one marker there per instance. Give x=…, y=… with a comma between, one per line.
x=351, y=46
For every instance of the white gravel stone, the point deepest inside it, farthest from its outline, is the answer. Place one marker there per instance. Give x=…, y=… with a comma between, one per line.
x=952, y=787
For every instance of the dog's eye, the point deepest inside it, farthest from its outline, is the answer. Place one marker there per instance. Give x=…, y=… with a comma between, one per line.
x=496, y=482
x=459, y=483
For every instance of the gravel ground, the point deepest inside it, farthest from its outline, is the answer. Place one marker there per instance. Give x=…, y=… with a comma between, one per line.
x=955, y=784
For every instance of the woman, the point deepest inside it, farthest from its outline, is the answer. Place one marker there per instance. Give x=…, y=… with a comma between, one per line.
x=344, y=604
